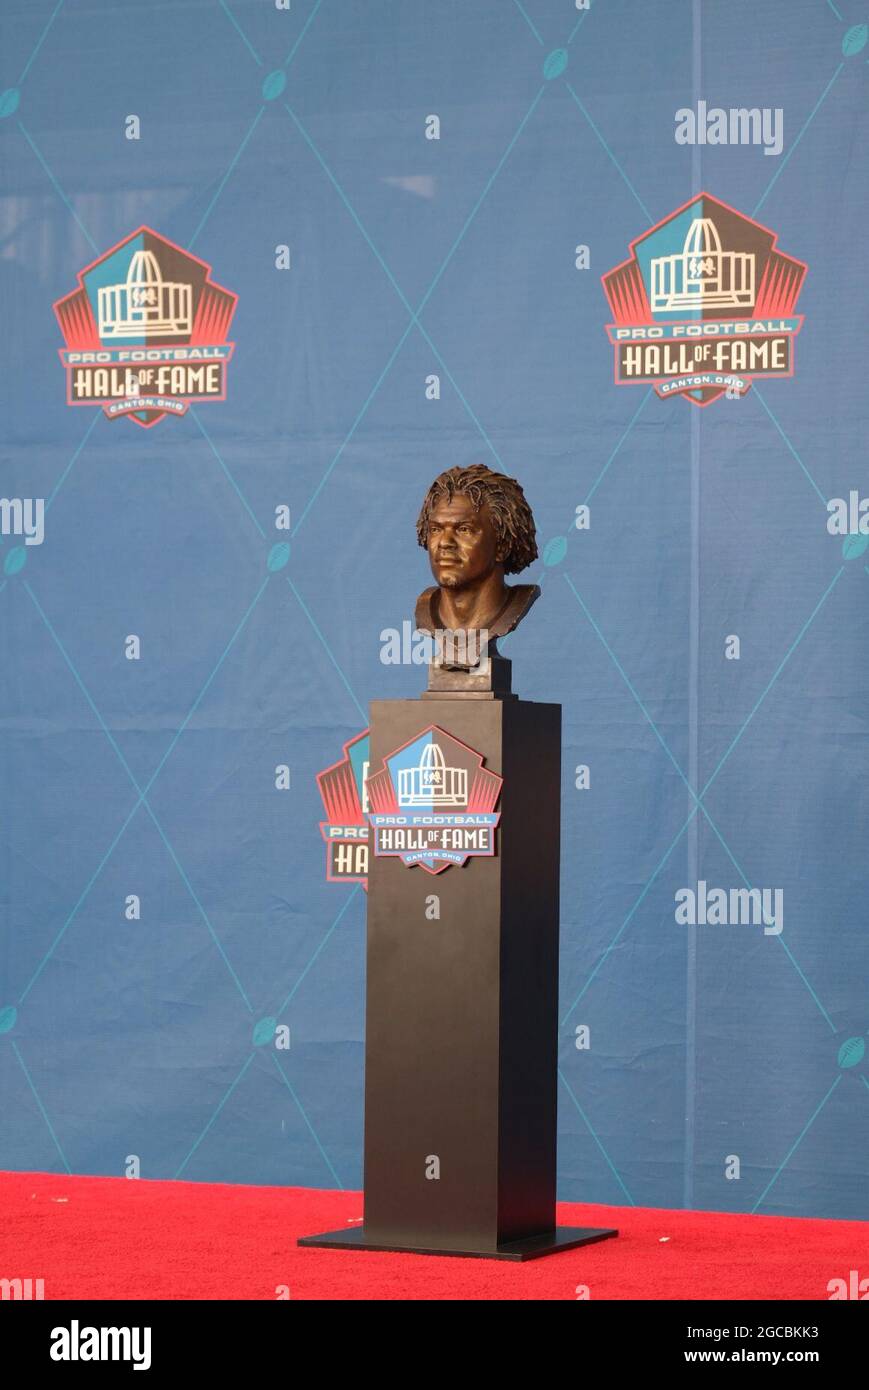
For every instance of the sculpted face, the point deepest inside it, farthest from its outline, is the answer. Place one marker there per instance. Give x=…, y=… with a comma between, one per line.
x=462, y=543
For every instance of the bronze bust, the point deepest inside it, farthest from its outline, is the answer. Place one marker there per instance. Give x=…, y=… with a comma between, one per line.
x=476, y=526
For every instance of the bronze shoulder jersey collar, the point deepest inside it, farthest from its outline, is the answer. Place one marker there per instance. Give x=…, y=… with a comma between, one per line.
x=520, y=599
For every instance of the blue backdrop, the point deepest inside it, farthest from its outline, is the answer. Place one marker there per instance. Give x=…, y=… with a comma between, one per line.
x=717, y=1066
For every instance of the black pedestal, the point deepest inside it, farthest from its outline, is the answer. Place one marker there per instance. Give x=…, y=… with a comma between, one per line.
x=461, y=1010
x=562, y=1238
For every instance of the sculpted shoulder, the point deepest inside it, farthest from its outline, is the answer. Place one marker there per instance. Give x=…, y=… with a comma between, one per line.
x=520, y=599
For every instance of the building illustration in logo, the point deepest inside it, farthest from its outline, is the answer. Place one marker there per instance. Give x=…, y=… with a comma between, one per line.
x=431, y=783
x=344, y=789
x=146, y=331
x=145, y=303
x=704, y=304
x=432, y=803
x=701, y=275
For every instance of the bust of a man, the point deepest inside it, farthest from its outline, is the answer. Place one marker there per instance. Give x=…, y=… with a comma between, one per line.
x=477, y=527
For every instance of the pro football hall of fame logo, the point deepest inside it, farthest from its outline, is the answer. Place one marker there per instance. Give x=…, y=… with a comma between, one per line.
x=344, y=789
x=433, y=803
x=146, y=331
x=704, y=304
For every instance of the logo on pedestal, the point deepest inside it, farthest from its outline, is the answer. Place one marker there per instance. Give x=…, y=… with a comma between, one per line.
x=704, y=305
x=145, y=331
x=433, y=803
x=343, y=787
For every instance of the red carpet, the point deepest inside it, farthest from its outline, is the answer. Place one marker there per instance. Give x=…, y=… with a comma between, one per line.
x=123, y=1238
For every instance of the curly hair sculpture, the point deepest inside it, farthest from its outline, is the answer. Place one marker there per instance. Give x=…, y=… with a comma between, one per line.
x=510, y=513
